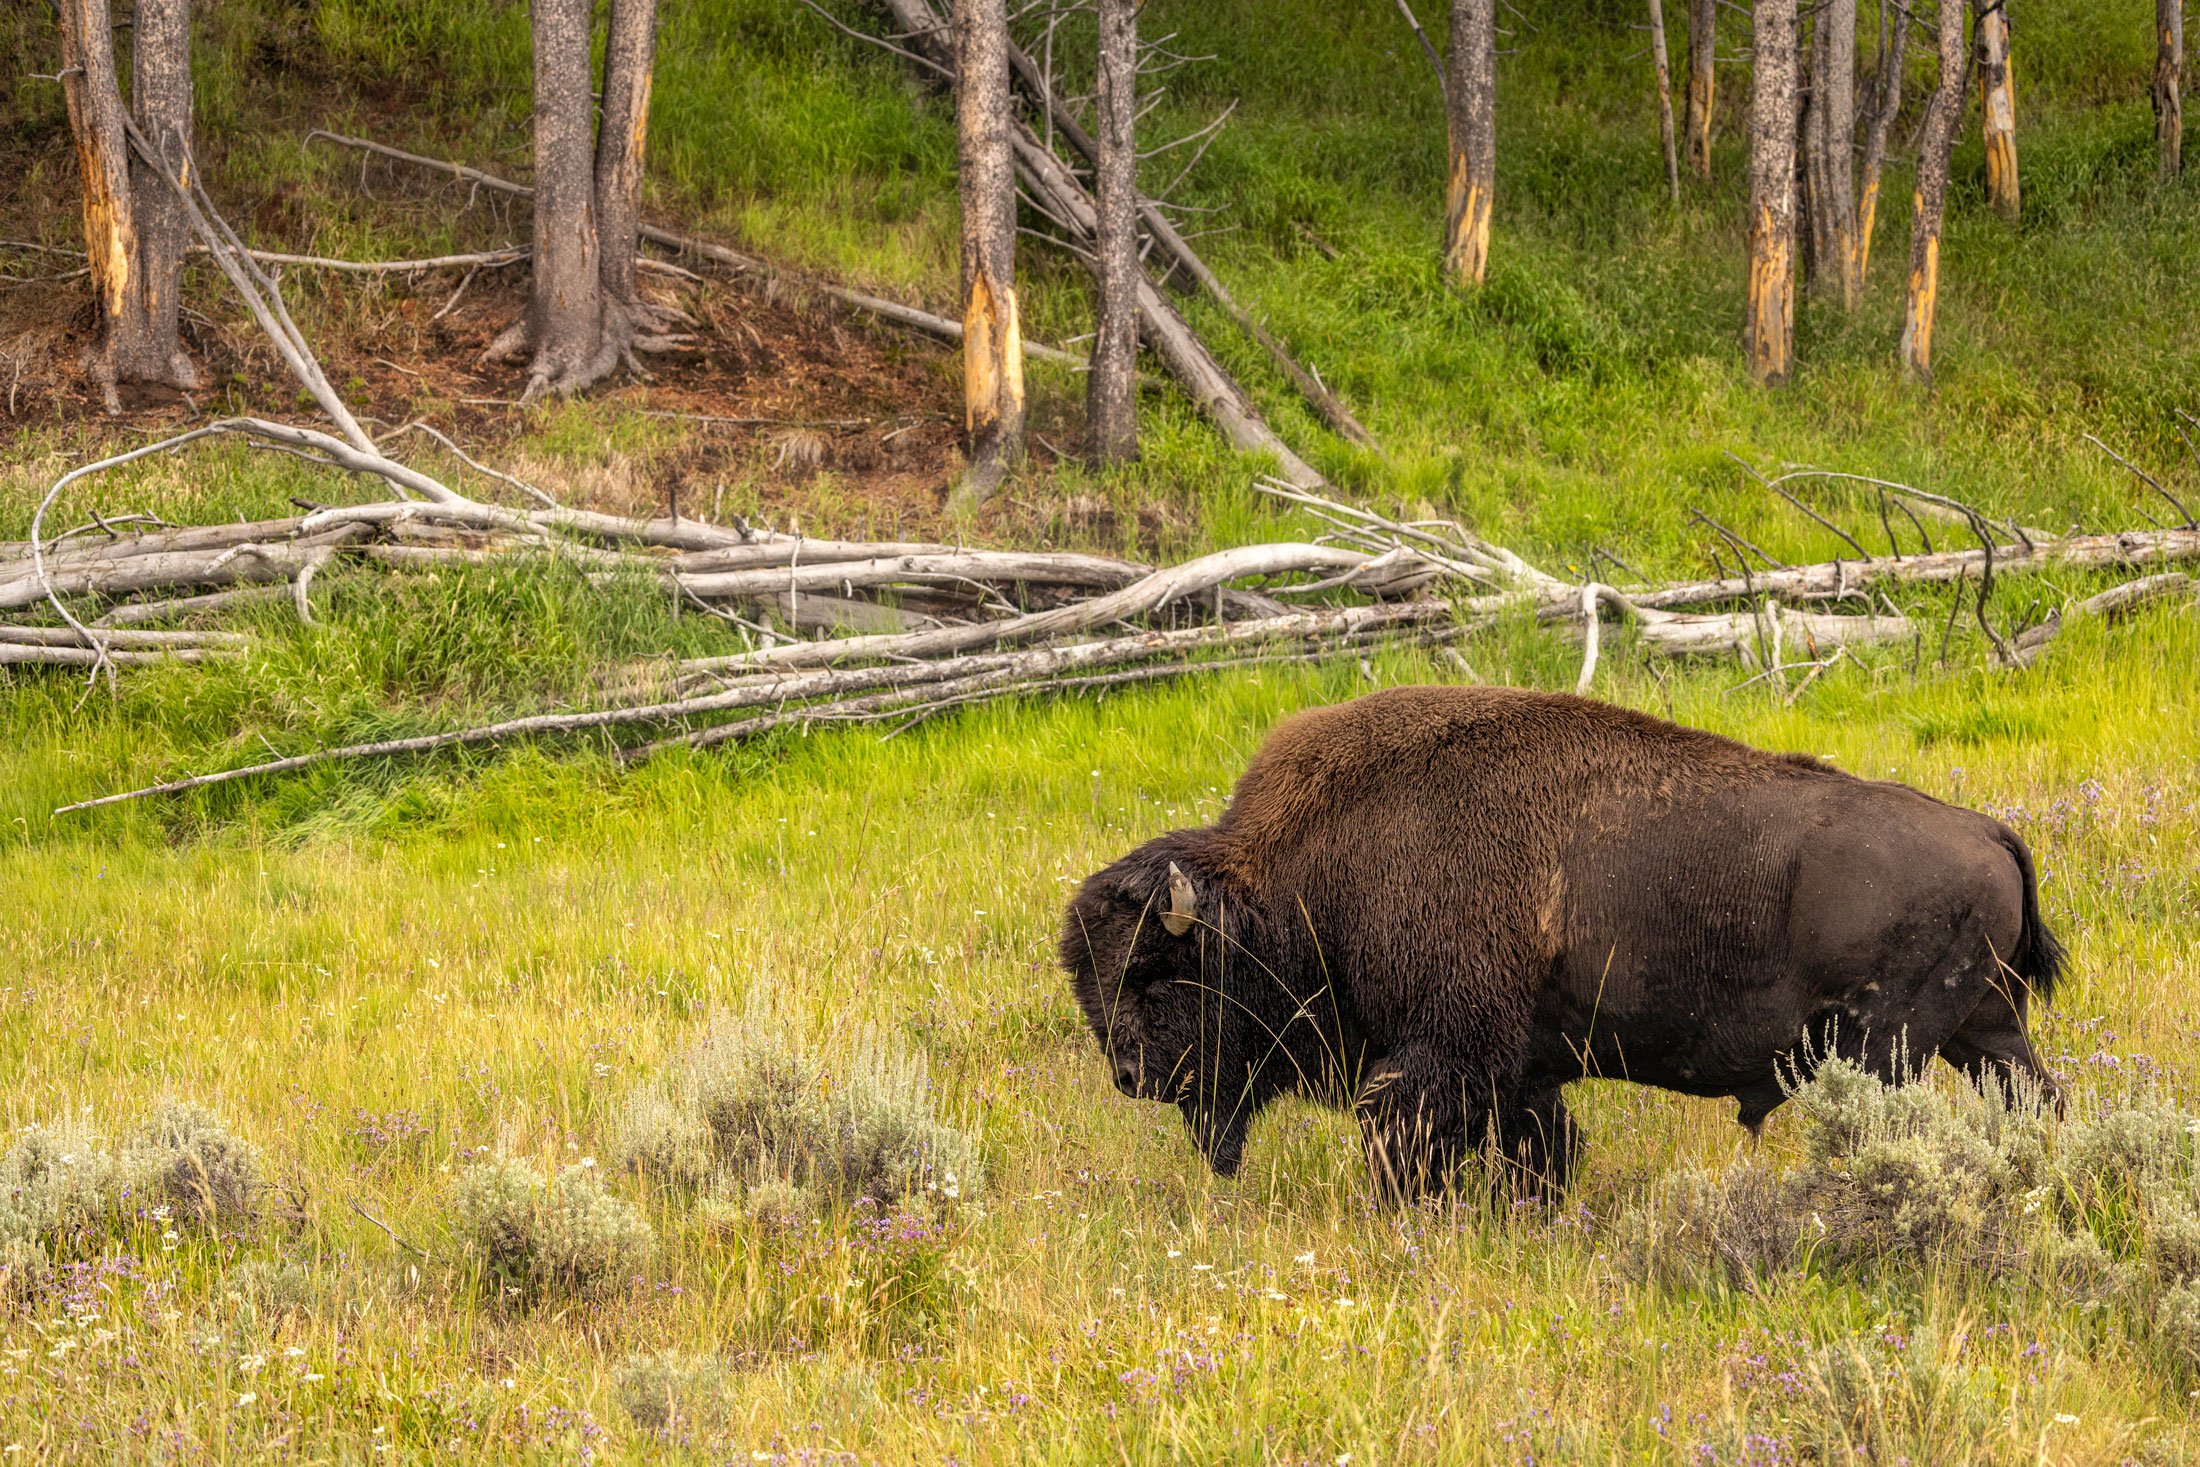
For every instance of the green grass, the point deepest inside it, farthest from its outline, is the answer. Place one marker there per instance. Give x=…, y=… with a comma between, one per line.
x=491, y=950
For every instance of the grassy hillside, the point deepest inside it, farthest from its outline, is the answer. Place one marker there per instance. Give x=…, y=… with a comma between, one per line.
x=379, y=974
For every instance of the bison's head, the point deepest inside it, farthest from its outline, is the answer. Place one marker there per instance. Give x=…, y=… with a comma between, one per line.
x=1165, y=963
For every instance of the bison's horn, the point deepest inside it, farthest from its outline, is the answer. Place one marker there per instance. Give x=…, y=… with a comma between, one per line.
x=1178, y=919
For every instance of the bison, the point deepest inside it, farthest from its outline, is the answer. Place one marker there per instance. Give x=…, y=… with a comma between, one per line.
x=1439, y=905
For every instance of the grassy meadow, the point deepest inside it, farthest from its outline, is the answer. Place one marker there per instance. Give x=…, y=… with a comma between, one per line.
x=381, y=975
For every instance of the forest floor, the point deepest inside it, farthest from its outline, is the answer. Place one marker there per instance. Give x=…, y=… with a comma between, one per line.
x=379, y=973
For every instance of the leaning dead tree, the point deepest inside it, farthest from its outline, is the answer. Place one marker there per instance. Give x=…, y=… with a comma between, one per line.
x=584, y=317
x=1703, y=23
x=1886, y=105
x=1664, y=71
x=1769, y=326
x=1111, y=390
x=993, y=358
x=2169, y=74
x=1470, y=110
x=1944, y=114
x=1998, y=96
x=133, y=234
x=1829, y=144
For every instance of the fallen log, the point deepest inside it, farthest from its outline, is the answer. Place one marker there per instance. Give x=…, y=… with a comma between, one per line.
x=2114, y=603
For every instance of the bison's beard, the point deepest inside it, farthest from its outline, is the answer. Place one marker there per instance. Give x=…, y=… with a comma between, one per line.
x=1220, y=1136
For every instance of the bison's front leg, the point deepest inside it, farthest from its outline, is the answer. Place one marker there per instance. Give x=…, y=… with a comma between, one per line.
x=1414, y=1121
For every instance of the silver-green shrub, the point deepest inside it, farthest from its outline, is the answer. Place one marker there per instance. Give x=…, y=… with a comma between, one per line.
x=542, y=1237
x=61, y=1188
x=671, y=1392
x=184, y=1158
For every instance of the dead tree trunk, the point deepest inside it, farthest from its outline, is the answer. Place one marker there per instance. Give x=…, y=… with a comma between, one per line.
x=1703, y=20
x=1942, y=118
x=993, y=357
x=1111, y=390
x=563, y=328
x=2169, y=72
x=1829, y=152
x=1470, y=102
x=1999, y=95
x=133, y=290
x=1665, y=99
x=1769, y=330
x=628, y=61
x=1886, y=106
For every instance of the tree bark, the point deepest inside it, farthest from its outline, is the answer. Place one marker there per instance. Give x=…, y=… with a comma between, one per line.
x=1470, y=102
x=128, y=344
x=1111, y=389
x=1769, y=330
x=2169, y=70
x=993, y=358
x=160, y=96
x=564, y=324
x=1942, y=118
x=1886, y=106
x=1703, y=19
x=1829, y=153
x=1999, y=95
x=1665, y=99
x=629, y=56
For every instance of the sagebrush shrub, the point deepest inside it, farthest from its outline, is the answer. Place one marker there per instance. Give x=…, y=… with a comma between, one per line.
x=61, y=1188
x=186, y=1159
x=671, y=1392
x=538, y=1237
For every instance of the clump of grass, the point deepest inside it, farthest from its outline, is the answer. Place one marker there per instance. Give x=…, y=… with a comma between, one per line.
x=748, y=1109
x=185, y=1159
x=670, y=1393
x=541, y=1238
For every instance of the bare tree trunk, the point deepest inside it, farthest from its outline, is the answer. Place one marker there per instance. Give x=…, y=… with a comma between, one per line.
x=1470, y=100
x=1703, y=20
x=1769, y=330
x=1111, y=390
x=1942, y=118
x=1829, y=154
x=629, y=55
x=564, y=324
x=1665, y=99
x=2169, y=71
x=160, y=96
x=1999, y=95
x=129, y=343
x=993, y=357
x=1886, y=106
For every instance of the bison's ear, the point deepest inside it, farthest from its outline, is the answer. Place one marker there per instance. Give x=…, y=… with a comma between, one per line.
x=1183, y=902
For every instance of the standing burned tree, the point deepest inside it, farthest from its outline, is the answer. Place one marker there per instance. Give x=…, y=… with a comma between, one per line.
x=1886, y=105
x=1664, y=71
x=584, y=315
x=2169, y=70
x=993, y=354
x=1998, y=94
x=1703, y=18
x=1769, y=327
x=134, y=227
x=1470, y=104
x=1829, y=144
x=1111, y=391
x=1942, y=118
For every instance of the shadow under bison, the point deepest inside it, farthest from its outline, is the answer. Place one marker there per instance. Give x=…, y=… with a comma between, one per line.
x=1440, y=905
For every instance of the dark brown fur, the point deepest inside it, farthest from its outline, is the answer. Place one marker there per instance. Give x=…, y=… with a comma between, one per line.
x=1439, y=905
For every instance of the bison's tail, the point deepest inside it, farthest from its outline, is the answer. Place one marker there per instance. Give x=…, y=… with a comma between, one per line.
x=2038, y=959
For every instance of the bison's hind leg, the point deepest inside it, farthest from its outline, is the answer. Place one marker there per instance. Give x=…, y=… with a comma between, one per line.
x=1993, y=1049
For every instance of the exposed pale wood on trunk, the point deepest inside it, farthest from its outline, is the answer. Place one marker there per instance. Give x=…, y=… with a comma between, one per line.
x=993, y=362
x=1703, y=21
x=1998, y=126
x=2169, y=75
x=160, y=96
x=1665, y=100
x=630, y=48
x=1470, y=108
x=1942, y=117
x=1111, y=392
x=1828, y=163
x=1886, y=106
x=1769, y=328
